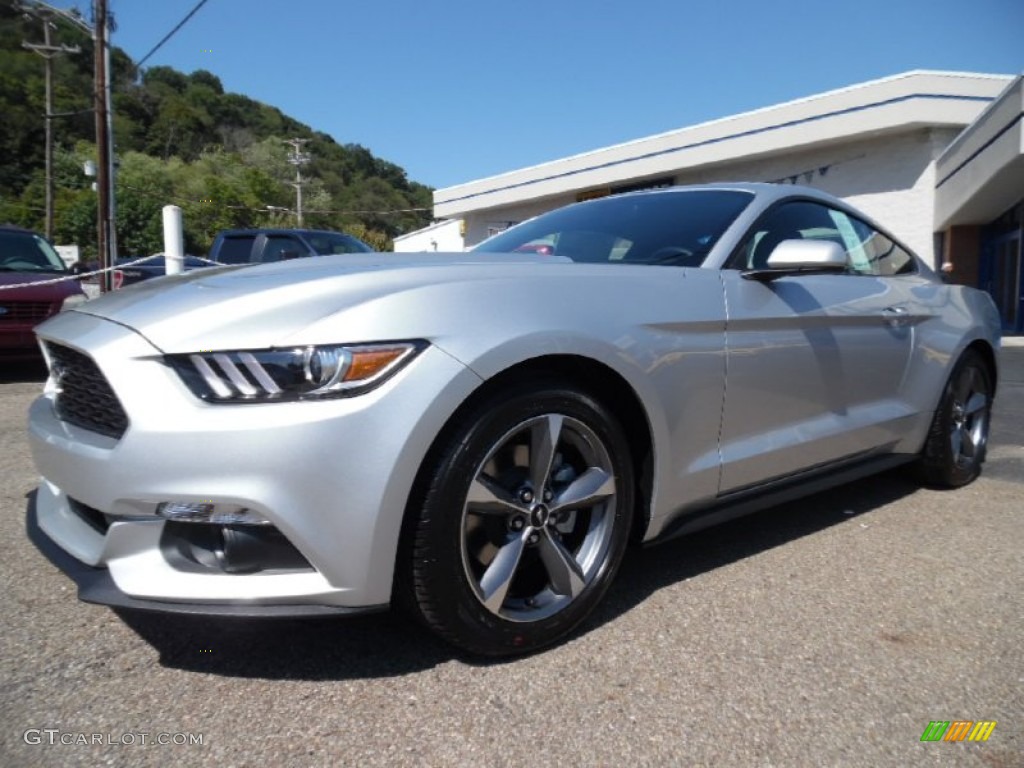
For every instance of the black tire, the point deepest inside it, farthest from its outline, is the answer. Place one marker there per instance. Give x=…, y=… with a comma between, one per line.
x=560, y=551
x=958, y=438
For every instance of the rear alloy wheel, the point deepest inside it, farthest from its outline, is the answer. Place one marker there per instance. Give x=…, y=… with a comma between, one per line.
x=956, y=444
x=524, y=523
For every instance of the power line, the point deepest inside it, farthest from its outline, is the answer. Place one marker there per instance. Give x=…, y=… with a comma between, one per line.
x=171, y=34
x=265, y=208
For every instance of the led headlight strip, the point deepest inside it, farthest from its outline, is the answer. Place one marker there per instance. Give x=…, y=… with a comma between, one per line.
x=297, y=373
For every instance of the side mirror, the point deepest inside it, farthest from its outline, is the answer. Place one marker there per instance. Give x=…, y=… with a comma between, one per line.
x=78, y=268
x=801, y=257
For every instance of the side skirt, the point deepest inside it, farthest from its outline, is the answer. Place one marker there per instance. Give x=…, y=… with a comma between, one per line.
x=753, y=499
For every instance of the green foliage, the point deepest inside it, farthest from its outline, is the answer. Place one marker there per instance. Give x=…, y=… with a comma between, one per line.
x=180, y=140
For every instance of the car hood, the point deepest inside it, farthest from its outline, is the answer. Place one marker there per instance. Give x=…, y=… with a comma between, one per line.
x=35, y=286
x=243, y=307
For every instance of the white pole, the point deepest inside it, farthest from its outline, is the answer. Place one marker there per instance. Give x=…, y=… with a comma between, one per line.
x=174, y=240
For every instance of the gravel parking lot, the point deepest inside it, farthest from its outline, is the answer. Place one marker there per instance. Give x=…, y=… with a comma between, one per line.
x=827, y=632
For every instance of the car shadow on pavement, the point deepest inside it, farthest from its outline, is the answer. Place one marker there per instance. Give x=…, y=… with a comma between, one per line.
x=646, y=570
x=385, y=645
x=378, y=645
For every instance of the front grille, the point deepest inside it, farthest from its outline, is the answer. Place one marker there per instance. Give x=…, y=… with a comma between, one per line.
x=25, y=311
x=84, y=397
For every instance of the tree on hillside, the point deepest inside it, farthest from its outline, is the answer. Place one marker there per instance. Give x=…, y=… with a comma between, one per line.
x=180, y=138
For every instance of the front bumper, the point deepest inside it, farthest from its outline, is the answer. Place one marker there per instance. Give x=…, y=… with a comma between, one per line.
x=332, y=477
x=95, y=585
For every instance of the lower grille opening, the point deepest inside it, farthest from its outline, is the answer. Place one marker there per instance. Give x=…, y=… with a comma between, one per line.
x=230, y=548
x=96, y=519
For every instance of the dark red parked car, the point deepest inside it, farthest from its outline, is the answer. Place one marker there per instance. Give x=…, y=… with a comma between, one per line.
x=27, y=258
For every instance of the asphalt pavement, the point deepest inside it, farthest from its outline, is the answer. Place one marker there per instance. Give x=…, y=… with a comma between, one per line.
x=828, y=632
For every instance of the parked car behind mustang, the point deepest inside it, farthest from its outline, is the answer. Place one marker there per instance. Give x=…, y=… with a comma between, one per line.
x=27, y=258
x=478, y=436
x=259, y=246
x=243, y=246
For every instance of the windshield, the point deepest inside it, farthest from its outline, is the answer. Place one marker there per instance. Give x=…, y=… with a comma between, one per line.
x=27, y=252
x=675, y=228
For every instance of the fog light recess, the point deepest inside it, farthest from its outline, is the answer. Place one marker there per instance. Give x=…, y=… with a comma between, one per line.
x=209, y=512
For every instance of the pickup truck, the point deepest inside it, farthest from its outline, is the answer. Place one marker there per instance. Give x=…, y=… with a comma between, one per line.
x=258, y=246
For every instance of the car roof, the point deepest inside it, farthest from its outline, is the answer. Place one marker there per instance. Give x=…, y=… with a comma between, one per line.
x=763, y=189
x=767, y=193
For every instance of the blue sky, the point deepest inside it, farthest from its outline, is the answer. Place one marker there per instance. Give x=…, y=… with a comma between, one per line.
x=457, y=90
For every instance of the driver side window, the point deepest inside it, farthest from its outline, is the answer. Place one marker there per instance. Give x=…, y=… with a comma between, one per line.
x=868, y=251
x=798, y=220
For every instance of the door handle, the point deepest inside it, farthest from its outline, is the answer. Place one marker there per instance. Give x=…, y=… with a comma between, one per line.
x=897, y=317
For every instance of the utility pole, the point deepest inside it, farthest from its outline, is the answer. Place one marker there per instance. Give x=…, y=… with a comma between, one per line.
x=298, y=158
x=111, y=160
x=49, y=51
x=102, y=144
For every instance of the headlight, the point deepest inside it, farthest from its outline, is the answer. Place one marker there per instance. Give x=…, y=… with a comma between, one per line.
x=299, y=373
x=73, y=300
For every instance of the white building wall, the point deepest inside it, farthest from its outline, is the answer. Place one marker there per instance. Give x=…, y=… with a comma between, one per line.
x=874, y=144
x=893, y=105
x=445, y=236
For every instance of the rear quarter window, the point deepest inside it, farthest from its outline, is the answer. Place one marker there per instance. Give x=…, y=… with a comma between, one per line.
x=235, y=249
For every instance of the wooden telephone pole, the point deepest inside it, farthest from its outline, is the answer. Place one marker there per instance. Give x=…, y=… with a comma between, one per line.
x=49, y=51
x=103, y=180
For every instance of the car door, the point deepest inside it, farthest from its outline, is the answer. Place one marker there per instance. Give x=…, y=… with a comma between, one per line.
x=815, y=363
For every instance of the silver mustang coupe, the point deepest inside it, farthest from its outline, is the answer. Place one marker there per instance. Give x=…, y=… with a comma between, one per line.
x=477, y=437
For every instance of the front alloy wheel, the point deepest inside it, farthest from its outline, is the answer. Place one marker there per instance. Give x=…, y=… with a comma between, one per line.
x=535, y=533
x=525, y=522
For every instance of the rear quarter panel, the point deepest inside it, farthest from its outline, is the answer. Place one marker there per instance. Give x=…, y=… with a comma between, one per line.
x=952, y=318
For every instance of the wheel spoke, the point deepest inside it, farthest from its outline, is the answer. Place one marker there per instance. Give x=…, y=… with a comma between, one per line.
x=593, y=486
x=975, y=404
x=563, y=570
x=498, y=577
x=967, y=446
x=543, y=441
x=487, y=497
